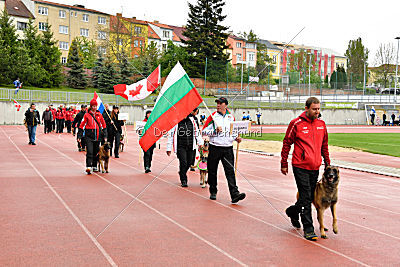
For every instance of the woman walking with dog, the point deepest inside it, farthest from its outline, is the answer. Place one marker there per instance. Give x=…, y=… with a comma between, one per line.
x=184, y=137
x=115, y=131
x=95, y=131
x=309, y=135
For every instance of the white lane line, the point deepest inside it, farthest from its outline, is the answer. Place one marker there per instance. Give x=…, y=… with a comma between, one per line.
x=92, y=238
x=156, y=211
x=259, y=220
x=342, y=199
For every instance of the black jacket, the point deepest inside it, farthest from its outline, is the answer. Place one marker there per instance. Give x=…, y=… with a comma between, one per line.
x=185, y=133
x=118, y=124
x=78, y=119
x=107, y=119
x=47, y=115
x=32, y=118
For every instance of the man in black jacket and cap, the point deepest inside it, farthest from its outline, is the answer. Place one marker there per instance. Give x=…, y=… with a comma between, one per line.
x=75, y=124
x=32, y=120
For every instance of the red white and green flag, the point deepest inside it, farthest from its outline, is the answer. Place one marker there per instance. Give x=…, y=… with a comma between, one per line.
x=211, y=120
x=141, y=89
x=178, y=97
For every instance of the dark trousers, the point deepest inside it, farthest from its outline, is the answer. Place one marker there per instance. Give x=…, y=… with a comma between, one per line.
x=82, y=143
x=224, y=154
x=53, y=125
x=47, y=126
x=60, y=125
x=258, y=120
x=68, y=125
x=114, y=138
x=185, y=155
x=194, y=158
x=148, y=157
x=91, y=153
x=306, y=182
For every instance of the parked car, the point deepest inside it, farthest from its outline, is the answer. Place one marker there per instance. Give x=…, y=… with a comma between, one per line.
x=390, y=91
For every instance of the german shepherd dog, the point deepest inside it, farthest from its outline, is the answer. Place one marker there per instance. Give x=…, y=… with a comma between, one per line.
x=202, y=164
x=121, y=143
x=325, y=196
x=104, y=157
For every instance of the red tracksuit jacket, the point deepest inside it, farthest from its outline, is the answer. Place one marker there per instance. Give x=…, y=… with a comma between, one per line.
x=91, y=127
x=310, y=140
x=68, y=116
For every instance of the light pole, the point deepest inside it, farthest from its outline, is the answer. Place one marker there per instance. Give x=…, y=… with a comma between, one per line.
x=397, y=59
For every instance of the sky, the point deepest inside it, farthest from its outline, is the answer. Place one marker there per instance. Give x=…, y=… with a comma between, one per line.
x=328, y=24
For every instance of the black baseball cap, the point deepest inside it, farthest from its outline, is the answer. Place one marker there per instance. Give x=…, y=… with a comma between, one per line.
x=221, y=100
x=83, y=106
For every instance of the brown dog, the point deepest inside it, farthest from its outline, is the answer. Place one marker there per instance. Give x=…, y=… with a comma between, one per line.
x=325, y=196
x=202, y=164
x=121, y=143
x=104, y=157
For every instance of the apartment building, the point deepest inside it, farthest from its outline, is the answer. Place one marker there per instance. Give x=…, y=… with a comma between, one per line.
x=20, y=12
x=160, y=34
x=241, y=51
x=273, y=53
x=68, y=22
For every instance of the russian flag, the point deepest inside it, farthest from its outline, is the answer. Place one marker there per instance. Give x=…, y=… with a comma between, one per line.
x=100, y=106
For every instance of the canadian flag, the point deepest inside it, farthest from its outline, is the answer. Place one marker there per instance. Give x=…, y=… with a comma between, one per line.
x=140, y=89
x=17, y=105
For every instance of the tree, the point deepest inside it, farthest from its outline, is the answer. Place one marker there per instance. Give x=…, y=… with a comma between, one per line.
x=147, y=61
x=357, y=56
x=206, y=35
x=171, y=56
x=98, y=70
x=125, y=71
x=384, y=59
x=76, y=75
x=49, y=59
x=108, y=78
x=9, y=49
x=88, y=50
x=338, y=78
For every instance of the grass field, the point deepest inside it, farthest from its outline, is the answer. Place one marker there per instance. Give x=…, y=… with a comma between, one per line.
x=382, y=143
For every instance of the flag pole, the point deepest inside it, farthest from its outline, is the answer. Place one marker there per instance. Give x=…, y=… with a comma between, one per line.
x=237, y=156
x=209, y=111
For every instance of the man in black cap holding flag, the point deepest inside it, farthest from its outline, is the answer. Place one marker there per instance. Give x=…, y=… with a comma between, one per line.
x=217, y=127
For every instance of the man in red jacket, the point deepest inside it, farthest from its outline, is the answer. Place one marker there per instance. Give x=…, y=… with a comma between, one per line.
x=95, y=130
x=310, y=138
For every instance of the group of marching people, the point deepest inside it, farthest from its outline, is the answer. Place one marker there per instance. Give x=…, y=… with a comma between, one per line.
x=55, y=120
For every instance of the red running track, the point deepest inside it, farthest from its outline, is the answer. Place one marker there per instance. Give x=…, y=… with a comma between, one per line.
x=51, y=212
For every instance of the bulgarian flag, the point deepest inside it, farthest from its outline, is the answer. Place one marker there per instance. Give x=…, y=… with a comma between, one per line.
x=178, y=97
x=17, y=105
x=140, y=89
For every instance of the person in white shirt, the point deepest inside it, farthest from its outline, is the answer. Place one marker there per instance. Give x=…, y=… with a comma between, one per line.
x=221, y=149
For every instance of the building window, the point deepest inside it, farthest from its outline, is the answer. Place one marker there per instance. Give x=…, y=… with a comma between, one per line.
x=238, y=57
x=141, y=43
x=101, y=35
x=64, y=60
x=21, y=25
x=64, y=45
x=101, y=20
x=85, y=32
x=138, y=30
x=63, y=29
x=251, y=45
x=42, y=26
x=251, y=56
x=62, y=14
x=72, y=13
x=164, y=47
x=166, y=34
x=102, y=50
x=85, y=17
x=274, y=59
x=238, y=45
x=135, y=43
x=43, y=10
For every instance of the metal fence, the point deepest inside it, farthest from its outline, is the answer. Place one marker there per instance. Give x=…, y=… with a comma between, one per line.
x=237, y=100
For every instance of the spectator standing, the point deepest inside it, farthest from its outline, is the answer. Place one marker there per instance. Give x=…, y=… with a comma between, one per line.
x=258, y=114
x=32, y=119
x=115, y=131
x=47, y=118
x=148, y=155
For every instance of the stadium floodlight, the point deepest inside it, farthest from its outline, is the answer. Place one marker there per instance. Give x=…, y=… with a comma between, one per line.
x=397, y=59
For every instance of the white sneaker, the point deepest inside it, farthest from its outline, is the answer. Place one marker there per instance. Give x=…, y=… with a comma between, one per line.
x=95, y=169
x=88, y=170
